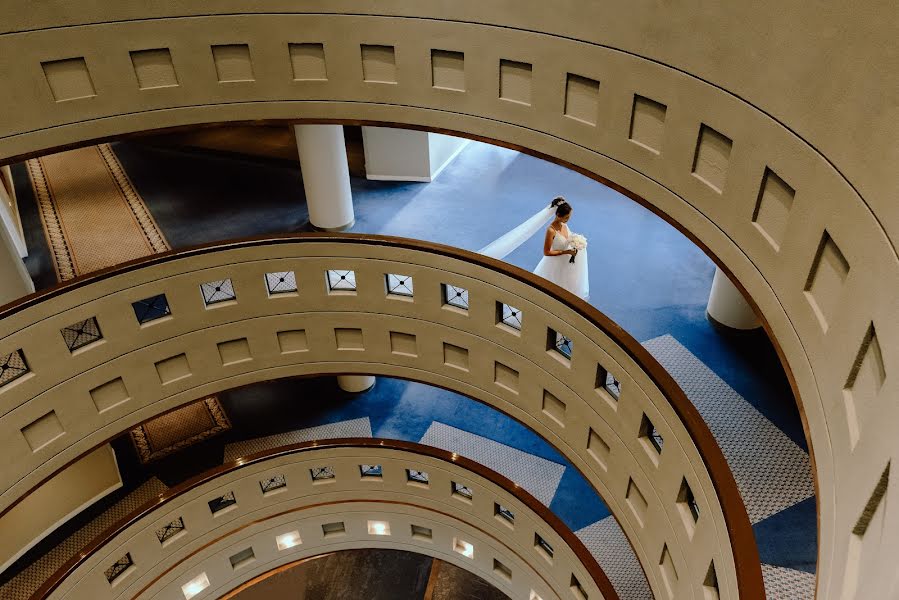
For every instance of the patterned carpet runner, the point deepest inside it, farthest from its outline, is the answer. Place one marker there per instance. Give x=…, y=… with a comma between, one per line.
x=92, y=215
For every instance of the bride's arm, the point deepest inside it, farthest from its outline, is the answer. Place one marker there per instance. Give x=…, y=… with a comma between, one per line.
x=548, y=243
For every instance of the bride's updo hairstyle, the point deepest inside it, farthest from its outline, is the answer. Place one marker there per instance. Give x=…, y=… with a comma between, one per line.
x=561, y=205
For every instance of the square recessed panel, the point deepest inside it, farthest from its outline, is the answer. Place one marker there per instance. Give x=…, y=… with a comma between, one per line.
x=464, y=548
x=422, y=533
x=866, y=378
x=416, y=476
x=710, y=583
x=712, y=158
x=341, y=281
x=637, y=501
x=378, y=64
x=502, y=570
x=505, y=377
x=234, y=351
x=515, y=81
x=455, y=356
x=455, y=296
x=772, y=209
x=509, y=316
x=577, y=589
x=399, y=285
x=43, y=431
x=824, y=287
x=598, y=449
x=170, y=530
x=581, y=99
x=288, y=540
x=81, y=334
x=543, y=546
x=608, y=386
x=220, y=503
x=648, y=123
x=349, y=339
x=281, y=283
x=504, y=514
x=554, y=408
x=651, y=437
x=173, y=369
x=242, y=558
x=559, y=345
x=233, y=63
x=154, y=68
x=325, y=473
x=272, y=484
x=669, y=573
x=688, y=506
x=448, y=70
x=460, y=490
x=333, y=529
x=119, y=568
x=69, y=79
x=378, y=528
x=403, y=343
x=151, y=309
x=12, y=366
x=110, y=394
x=293, y=341
x=216, y=292
x=308, y=62
x=195, y=586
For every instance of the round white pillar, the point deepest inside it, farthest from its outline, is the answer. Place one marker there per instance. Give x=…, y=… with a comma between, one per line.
x=326, y=176
x=15, y=281
x=727, y=305
x=355, y=383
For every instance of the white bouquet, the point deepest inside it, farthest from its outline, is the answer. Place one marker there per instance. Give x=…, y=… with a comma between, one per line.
x=577, y=242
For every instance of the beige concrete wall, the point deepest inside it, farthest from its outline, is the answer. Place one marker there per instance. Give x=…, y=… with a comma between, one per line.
x=66, y=494
x=767, y=132
x=71, y=401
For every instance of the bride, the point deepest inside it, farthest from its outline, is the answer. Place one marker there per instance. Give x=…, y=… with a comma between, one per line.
x=555, y=265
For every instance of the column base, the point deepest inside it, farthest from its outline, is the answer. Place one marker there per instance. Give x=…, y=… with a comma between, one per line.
x=355, y=384
x=727, y=307
x=728, y=330
x=337, y=229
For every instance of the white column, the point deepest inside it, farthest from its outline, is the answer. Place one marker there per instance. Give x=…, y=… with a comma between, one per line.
x=727, y=305
x=326, y=176
x=355, y=383
x=15, y=281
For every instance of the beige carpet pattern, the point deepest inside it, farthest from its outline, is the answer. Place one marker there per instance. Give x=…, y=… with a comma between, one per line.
x=92, y=215
x=180, y=428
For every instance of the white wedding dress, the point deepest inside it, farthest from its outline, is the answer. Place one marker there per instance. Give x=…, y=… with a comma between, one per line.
x=558, y=269
x=561, y=271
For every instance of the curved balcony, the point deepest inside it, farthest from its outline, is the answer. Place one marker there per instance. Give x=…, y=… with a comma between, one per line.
x=229, y=525
x=178, y=326
x=790, y=192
